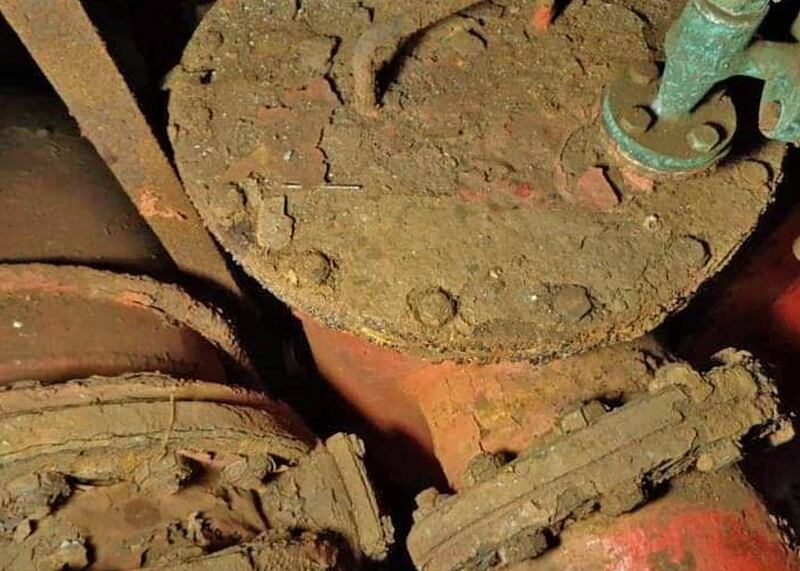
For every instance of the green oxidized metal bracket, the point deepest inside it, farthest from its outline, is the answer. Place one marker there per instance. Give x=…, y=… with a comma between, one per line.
x=683, y=124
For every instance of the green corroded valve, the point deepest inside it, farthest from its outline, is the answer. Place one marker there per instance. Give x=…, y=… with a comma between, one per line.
x=683, y=123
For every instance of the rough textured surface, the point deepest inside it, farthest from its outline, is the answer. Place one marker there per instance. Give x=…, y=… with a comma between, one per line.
x=71, y=53
x=58, y=201
x=273, y=552
x=604, y=461
x=63, y=322
x=444, y=414
x=479, y=213
x=148, y=471
x=330, y=489
x=707, y=522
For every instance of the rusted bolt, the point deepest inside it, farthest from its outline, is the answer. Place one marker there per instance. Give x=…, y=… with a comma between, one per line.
x=755, y=173
x=314, y=268
x=593, y=411
x=642, y=73
x=705, y=463
x=434, y=307
x=636, y=120
x=484, y=467
x=426, y=501
x=770, y=116
x=524, y=546
x=684, y=376
x=573, y=421
x=703, y=138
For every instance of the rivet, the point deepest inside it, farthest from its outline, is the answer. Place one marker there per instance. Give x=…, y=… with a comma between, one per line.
x=434, y=307
x=755, y=173
x=642, y=73
x=636, y=120
x=704, y=138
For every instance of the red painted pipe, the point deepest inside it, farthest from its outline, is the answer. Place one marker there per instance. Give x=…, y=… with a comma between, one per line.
x=423, y=419
x=705, y=523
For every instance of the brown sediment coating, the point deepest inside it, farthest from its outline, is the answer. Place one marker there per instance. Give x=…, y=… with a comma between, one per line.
x=63, y=322
x=479, y=213
x=146, y=471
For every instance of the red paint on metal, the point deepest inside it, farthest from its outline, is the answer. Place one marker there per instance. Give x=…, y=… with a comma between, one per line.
x=447, y=413
x=698, y=539
x=757, y=305
x=674, y=534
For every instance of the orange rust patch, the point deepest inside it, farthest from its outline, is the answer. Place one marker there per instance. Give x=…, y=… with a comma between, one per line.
x=135, y=299
x=542, y=16
x=638, y=182
x=149, y=206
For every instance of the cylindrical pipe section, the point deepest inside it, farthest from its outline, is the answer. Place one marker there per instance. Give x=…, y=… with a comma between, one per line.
x=703, y=48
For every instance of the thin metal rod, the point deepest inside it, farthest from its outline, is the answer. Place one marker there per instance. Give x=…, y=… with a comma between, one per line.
x=66, y=46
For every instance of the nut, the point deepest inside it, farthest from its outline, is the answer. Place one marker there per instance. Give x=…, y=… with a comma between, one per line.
x=434, y=307
x=484, y=466
x=636, y=120
x=314, y=268
x=705, y=463
x=704, y=138
x=642, y=73
x=684, y=376
x=573, y=421
x=525, y=545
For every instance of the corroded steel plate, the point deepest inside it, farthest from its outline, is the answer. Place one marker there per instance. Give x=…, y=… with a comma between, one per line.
x=479, y=213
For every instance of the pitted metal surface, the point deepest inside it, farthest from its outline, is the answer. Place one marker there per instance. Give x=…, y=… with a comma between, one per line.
x=603, y=461
x=480, y=213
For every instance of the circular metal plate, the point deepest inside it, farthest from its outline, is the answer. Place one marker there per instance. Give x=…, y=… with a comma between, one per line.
x=481, y=214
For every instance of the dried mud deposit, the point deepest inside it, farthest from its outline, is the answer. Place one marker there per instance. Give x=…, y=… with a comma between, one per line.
x=145, y=471
x=478, y=212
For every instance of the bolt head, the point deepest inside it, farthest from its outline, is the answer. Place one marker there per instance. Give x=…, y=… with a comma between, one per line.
x=434, y=308
x=704, y=138
x=636, y=120
x=770, y=116
x=643, y=73
x=705, y=463
x=755, y=173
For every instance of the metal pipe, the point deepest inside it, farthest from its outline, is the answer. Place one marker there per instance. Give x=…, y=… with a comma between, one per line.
x=704, y=47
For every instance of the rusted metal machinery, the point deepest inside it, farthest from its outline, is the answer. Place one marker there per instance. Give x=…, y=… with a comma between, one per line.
x=477, y=217
x=441, y=194
x=434, y=192
x=136, y=430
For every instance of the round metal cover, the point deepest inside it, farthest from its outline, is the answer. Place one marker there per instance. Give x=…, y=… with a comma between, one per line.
x=479, y=212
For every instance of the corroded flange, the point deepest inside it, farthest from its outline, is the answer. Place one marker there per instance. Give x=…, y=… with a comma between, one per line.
x=150, y=471
x=600, y=460
x=678, y=145
x=62, y=322
x=479, y=212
